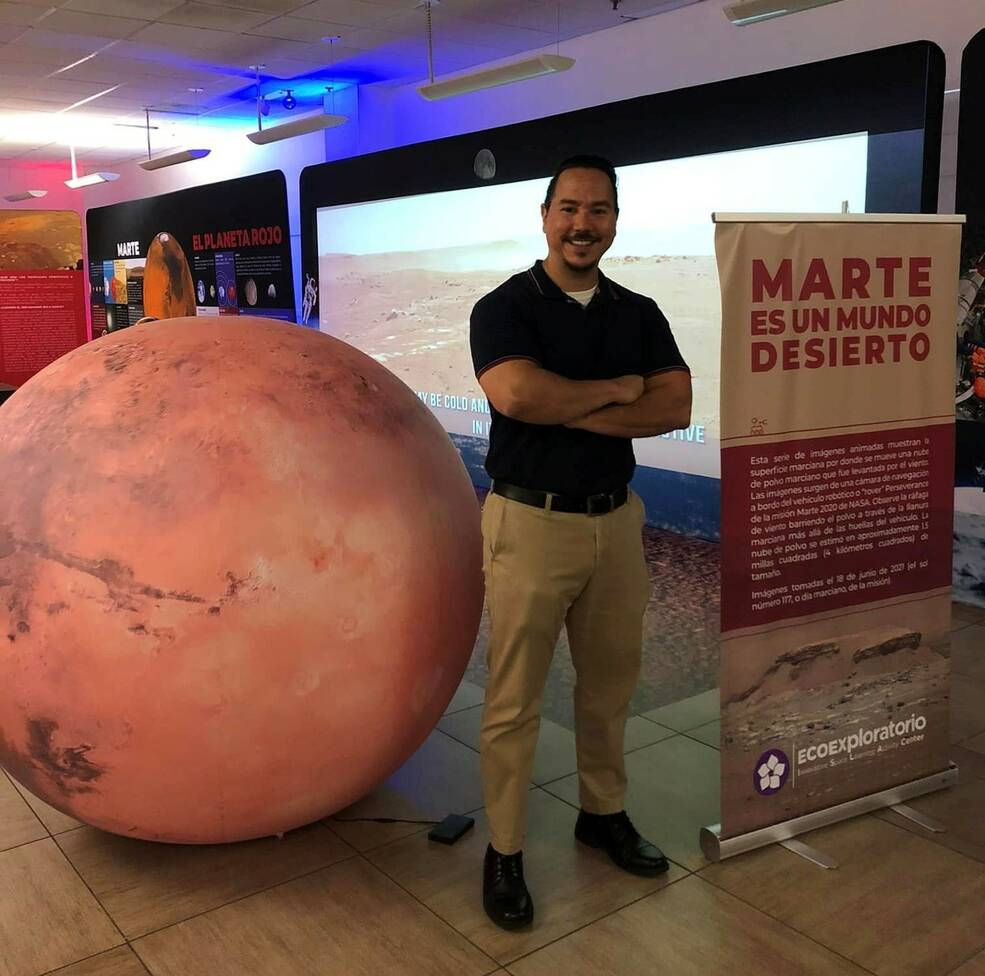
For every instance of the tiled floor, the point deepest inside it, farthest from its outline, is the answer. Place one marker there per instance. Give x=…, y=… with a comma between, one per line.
x=343, y=897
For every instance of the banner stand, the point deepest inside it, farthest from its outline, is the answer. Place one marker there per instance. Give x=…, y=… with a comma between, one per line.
x=717, y=849
x=837, y=440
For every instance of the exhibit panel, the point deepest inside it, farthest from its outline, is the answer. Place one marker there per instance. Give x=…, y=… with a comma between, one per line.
x=42, y=302
x=836, y=509
x=398, y=246
x=221, y=249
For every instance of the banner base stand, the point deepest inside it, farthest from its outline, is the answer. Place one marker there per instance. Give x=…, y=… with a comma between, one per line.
x=921, y=819
x=716, y=849
x=809, y=853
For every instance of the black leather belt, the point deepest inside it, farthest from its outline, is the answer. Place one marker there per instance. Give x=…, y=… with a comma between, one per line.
x=586, y=504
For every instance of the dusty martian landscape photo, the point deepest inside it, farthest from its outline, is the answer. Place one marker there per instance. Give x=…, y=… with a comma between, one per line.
x=415, y=320
x=823, y=688
x=38, y=239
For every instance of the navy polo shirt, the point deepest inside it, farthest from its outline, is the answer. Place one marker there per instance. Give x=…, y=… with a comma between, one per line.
x=618, y=333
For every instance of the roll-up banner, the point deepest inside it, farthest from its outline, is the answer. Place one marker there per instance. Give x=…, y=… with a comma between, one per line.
x=837, y=410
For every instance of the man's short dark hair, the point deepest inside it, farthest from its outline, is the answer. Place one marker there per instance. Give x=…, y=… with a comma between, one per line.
x=584, y=162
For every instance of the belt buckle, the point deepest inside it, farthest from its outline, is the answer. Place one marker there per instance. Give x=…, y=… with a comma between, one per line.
x=600, y=504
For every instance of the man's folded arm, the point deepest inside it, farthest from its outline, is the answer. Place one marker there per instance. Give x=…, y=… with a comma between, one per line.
x=664, y=406
x=523, y=390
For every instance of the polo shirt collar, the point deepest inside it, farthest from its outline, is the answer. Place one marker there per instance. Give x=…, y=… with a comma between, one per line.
x=548, y=289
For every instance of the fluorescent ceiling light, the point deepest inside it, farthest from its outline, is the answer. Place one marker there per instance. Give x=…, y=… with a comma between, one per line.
x=88, y=57
x=745, y=12
x=173, y=158
x=25, y=195
x=543, y=64
x=296, y=127
x=85, y=101
x=77, y=182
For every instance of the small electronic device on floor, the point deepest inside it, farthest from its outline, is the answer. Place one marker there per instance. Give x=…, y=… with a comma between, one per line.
x=451, y=828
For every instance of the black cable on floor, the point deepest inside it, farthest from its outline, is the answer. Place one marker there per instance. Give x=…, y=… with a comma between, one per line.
x=384, y=820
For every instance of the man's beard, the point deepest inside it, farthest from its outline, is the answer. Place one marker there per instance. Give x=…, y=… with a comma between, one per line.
x=581, y=268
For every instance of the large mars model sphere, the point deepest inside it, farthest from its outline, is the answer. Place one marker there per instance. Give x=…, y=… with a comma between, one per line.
x=240, y=579
x=169, y=291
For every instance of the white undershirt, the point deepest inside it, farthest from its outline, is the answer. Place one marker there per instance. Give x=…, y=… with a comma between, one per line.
x=583, y=297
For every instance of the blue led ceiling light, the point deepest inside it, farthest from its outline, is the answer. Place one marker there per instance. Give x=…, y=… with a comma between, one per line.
x=304, y=125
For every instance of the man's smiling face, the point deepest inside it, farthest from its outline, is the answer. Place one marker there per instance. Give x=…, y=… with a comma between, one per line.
x=580, y=223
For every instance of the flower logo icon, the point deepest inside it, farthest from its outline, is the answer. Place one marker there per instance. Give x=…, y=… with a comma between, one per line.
x=772, y=770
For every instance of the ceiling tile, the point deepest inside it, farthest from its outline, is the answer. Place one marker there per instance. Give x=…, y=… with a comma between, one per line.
x=353, y=13
x=181, y=59
x=543, y=16
x=495, y=37
x=109, y=69
x=218, y=18
x=37, y=152
x=42, y=55
x=405, y=55
x=286, y=68
x=178, y=38
x=296, y=29
x=58, y=46
x=17, y=69
x=26, y=105
x=19, y=14
x=92, y=25
x=249, y=49
x=52, y=89
x=649, y=8
x=103, y=154
x=273, y=7
x=366, y=38
x=155, y=67
x=143, y=9
x=266, y=49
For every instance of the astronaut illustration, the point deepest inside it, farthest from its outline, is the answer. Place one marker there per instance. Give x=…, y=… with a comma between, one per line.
x=308, y=299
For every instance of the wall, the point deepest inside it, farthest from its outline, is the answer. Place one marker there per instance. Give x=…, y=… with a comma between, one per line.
x=690, y=46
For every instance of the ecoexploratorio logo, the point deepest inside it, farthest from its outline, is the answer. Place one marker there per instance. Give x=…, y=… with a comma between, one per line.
x=772, y=770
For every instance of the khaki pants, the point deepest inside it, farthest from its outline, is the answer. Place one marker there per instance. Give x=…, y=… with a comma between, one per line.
x=543, y=570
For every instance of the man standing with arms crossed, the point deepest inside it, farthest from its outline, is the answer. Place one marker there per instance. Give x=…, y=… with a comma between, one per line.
x=574, y=366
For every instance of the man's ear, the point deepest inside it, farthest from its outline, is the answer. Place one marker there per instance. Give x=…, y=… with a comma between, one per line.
x=543, y=213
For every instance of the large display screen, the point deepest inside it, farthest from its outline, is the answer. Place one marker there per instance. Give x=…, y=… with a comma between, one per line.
x=398, y=245
x=398, y=278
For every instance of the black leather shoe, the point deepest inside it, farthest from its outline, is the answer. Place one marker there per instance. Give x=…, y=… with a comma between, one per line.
x=622, y=842
x=504, y=893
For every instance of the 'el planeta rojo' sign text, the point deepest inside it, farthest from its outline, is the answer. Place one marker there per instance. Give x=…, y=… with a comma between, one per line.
x=222, y=240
